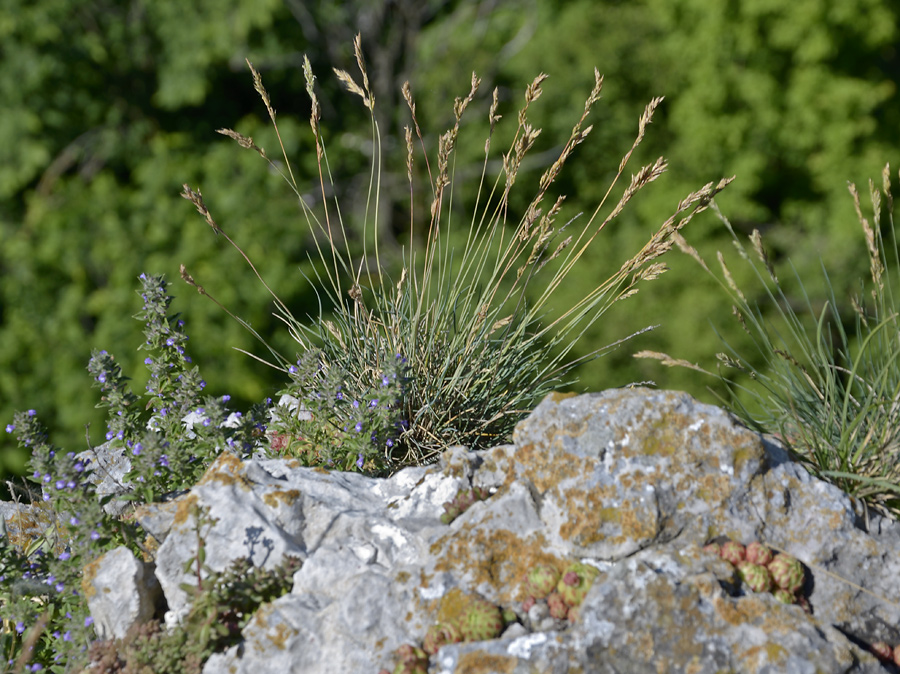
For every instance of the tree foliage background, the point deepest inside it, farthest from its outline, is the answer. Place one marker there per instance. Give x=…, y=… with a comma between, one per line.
x=106, y=108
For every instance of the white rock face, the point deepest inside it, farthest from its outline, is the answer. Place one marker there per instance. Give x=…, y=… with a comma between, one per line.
x=121, y=591
x=634, y=482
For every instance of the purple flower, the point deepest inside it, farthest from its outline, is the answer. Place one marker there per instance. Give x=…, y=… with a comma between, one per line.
x=88, y=621
x=101, y=377
x=60, y=587
x=60, y=484
x=74, y=521
x=293, y=369
x=374, y=403
x=164, y=461
x=65, y=556
x=71, y=484
x=148, y=361
x=94, y=537
x=385, y=381
x=10, y=428
x=67, y=636
x=389, y=443
x=31, y=413
x=359, y=460
x=47, y=477
x=226, y=398
x=20, y=627
x=79, y=466
x=358, y=427
x=355, y=403
x=138, y=448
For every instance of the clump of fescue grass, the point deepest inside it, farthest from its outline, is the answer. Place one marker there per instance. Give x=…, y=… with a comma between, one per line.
x=831, y=396
x=466, y=323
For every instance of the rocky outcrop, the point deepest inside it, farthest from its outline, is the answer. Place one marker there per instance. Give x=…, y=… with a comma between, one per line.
x=615, y=494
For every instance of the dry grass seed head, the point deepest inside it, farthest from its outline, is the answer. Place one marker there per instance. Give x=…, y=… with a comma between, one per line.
x=875, y=265
x=756, y=240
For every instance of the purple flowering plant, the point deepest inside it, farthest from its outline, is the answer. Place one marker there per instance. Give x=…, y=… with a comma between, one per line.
x=328, y=417
x=169, y=438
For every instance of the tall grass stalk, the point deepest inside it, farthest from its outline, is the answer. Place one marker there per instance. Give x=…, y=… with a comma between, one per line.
x=831, y=394
x=468, y=319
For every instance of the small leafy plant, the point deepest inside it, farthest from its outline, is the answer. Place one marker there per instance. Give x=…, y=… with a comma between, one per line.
x=831, y=394
x=468, y=314
x=222, y=605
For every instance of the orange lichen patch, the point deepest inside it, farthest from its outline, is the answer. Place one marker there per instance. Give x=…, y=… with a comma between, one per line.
x=87, y=578
x=592, y=520
x=275, y=498
x=711, y=488
x=541, y=465
x=499, y=558
x=227, y=469
x=483, y=663
x=186, y=505
x=278, y=635
x=767, y=654
x=756, y=610
x=282, y=634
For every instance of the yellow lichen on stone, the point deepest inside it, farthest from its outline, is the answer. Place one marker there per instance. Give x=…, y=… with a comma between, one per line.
x=485, y=663
x=276, y=497
x=227, y=470
x=498, y=558
x=186, y=506
x=87, y=578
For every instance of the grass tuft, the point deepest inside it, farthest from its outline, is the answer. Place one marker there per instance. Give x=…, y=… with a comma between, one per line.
x=830, y=384
x=466, y=313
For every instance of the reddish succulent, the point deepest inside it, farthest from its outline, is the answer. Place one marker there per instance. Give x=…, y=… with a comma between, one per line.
x=559, y=609
x=412, y=660
x=440, y=634
x=713, y=548
x=575, y=582
x=733, y=552
x=757, y=553
x=882, y=651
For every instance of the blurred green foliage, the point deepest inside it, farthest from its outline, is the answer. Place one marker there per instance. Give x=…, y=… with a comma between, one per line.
x=108, y=107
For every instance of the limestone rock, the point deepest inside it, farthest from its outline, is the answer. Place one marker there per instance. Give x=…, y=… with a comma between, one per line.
x=121, y=592
x=633, y=482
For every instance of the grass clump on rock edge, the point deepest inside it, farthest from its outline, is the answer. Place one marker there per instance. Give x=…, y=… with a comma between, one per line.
x=458, y=333
x=829, y=386
x=452, y=347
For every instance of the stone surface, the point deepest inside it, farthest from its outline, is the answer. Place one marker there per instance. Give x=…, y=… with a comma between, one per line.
x=121, y=592
x=633, y=482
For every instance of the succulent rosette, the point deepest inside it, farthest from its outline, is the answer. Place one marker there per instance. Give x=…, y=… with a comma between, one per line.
x=787, y=573
x=541, y=581
x=733, y=552
x=757, y=553
x=480, y=621
x=559, y=609
x=438, y=635
x=575, y=582
x=755, y=576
